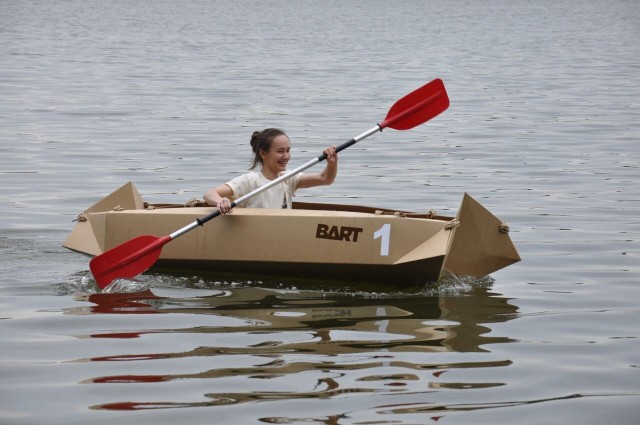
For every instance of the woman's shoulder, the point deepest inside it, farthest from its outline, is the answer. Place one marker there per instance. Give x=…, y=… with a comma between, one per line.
x=251, y=176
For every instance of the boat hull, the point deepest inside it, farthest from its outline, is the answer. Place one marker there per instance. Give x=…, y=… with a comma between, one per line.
x=312, y=240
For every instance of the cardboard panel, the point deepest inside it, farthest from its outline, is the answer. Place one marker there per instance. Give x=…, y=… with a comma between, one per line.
x=479, y=247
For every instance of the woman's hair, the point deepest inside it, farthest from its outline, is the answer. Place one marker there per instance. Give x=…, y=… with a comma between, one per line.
x=261, y=140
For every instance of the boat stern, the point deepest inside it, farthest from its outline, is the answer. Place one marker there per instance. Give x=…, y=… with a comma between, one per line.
x=88, y=235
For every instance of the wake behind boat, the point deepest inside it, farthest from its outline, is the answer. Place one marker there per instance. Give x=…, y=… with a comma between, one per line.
x=332, y=241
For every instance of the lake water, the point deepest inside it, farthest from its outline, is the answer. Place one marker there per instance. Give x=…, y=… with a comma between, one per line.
x=543, y=129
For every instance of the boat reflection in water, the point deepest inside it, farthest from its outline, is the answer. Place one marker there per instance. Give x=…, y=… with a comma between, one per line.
x=270, y=344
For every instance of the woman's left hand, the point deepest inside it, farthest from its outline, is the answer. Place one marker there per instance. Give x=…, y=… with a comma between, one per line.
x=330, y=152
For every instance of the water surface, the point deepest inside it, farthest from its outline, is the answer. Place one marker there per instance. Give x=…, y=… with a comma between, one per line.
x=542, y=130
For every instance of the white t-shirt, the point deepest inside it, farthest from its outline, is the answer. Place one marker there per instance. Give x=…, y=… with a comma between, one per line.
x=279, y=196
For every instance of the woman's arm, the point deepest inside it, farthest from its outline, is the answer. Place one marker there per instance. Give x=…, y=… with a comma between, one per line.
x=327, y=176
x=218, y=197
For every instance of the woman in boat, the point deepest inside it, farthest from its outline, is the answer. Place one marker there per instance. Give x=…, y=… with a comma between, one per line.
x=272, y=151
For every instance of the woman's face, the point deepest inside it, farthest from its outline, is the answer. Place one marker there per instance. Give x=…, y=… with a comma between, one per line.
x=277, y=158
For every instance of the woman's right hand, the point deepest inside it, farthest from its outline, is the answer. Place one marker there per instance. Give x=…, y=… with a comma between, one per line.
x=225, y=206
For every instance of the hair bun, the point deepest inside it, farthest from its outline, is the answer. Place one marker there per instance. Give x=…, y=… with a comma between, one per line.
x=254, y=140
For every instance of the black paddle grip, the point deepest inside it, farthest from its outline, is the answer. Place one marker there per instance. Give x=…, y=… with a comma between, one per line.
x=345, y=145
x=202, y=220
x=338, y=149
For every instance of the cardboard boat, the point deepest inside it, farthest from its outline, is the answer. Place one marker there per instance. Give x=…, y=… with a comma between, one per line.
x=329, y=241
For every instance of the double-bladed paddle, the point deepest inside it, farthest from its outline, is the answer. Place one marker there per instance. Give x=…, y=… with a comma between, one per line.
x=133, y=257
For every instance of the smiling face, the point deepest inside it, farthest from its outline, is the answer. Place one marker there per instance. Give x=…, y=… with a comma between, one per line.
x=276, y=159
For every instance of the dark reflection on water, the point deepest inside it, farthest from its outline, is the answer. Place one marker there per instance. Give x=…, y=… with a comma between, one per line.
x=295, y=345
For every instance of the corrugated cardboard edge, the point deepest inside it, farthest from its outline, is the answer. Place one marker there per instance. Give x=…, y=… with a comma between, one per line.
x=478, y=247
x=88, y=236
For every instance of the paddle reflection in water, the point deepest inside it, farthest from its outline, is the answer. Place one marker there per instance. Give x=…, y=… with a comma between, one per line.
x=292, y=345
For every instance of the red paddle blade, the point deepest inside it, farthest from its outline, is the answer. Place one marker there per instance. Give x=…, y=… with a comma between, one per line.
x=417, y=107
x=127, y=260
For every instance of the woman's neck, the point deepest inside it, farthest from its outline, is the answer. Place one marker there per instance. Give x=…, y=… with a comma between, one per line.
x=269, y=174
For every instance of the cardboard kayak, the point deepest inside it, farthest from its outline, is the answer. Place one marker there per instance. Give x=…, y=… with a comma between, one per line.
x=330, y=241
